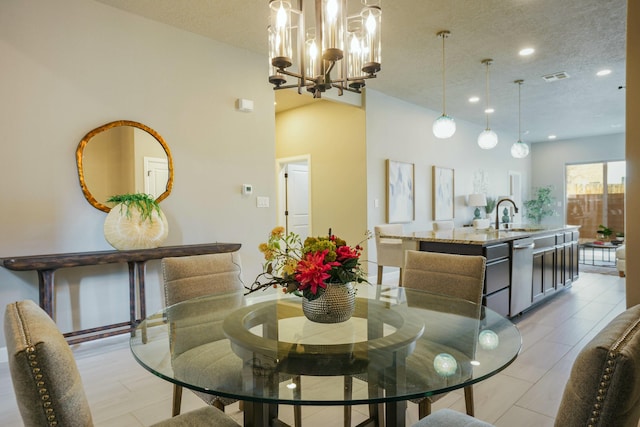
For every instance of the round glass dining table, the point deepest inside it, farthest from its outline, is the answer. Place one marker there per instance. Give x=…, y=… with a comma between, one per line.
x=399, y=345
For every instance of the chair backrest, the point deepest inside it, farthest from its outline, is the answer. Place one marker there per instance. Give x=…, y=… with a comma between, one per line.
x=195, y=276
x=460, y=276
x=389, y=251
x=45, y=376
x=443, y=225
x=604, y=385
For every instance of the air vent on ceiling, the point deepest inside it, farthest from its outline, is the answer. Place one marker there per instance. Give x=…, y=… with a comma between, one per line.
x=555, y=77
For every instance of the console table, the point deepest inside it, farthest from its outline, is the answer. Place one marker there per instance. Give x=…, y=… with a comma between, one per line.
x=46, y=266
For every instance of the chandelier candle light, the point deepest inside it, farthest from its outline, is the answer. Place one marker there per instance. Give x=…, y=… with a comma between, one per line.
x=487, y=138
x=519, y=149
x=444, y=127
x=350, y=46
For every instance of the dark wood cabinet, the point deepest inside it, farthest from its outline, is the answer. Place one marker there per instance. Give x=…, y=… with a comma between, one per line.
x=555, y=265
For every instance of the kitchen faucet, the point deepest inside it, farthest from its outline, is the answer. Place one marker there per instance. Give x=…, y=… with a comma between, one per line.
x=498, y=210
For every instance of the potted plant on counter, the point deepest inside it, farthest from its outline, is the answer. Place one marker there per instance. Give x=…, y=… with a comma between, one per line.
x=135, y=222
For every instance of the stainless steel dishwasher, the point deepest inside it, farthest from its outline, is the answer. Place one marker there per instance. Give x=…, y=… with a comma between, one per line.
x=521, y=275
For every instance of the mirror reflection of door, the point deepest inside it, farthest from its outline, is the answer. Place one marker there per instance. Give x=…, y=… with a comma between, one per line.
x=156, y=175
x=294, y=196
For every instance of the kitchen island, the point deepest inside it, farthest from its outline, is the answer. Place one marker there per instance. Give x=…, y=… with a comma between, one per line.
x=525, y=265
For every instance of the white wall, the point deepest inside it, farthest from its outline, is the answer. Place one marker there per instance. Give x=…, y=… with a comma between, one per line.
x=401, y=131
x=550, y=158
x=72, y=65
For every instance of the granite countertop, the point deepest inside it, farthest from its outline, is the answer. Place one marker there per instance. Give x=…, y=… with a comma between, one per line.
x=471, y=236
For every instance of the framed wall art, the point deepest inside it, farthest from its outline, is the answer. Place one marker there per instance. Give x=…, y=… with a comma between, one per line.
x=443, y=193
x=400, y=192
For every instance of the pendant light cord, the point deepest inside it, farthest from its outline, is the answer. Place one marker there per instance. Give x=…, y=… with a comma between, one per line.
x=519, y=113
x=444, y=91
x=487, y=86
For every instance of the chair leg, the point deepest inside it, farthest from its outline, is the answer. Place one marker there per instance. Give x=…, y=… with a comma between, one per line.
x=177, y=400
x=468, y=400
x=424, y=408
x=217, y=404
x=400, y=277
x=348, y=391
x=379, y=275
x=297, y=409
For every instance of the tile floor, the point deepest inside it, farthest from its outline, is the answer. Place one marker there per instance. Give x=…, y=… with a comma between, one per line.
x=527, y=393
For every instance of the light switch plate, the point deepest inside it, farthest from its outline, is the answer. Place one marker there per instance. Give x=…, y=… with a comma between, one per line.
x=262, y=202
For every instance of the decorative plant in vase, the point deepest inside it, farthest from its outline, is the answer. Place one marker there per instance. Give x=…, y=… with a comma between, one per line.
x=604, y=232
x=490, y=206
x=541, y=206
x=322, y=270
x=135, y=222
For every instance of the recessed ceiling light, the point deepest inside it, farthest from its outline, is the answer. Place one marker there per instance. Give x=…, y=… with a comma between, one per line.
x=526, y=51
x=489, y=110
x=604, y=72
x=474, y=99
x=552, y=137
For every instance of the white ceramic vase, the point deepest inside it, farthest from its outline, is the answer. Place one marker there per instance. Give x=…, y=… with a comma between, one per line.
x=129, y=231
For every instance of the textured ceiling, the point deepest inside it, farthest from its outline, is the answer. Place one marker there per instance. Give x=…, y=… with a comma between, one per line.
x=578, y=37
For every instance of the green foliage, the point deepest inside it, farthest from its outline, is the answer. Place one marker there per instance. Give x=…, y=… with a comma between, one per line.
x=541, y=206
x=604, y=230
x=145, y=203
x=491, y=204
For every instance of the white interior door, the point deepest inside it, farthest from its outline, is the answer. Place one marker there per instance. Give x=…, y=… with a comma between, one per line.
x=156, y=176
x=295, y=197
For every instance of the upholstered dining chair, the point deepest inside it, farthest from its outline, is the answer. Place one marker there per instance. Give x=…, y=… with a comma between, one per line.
x=46, y=380
x=194, y=276
x=443, y=225
x=459, y=276
x=390, y=252
x=603, y=388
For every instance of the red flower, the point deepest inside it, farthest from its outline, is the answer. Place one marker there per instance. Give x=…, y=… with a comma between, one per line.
x=346, y=252
x=311, y=271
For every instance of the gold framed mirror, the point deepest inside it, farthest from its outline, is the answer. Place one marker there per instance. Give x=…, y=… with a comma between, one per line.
x=123, y=157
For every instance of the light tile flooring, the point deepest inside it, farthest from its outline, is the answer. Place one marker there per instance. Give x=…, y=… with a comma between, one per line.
x=527, y=393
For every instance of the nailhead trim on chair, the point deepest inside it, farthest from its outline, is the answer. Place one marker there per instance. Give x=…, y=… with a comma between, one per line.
x=42, y=387
x=32, y=357
x=605, y=379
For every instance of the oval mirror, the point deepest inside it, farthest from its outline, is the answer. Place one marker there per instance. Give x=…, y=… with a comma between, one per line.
x=123, y=157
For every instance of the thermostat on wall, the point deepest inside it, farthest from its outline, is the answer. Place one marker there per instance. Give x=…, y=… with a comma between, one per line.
x=247, y=189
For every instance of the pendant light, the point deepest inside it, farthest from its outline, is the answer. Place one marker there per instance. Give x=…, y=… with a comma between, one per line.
x=519, y=149
x=444, y=127
x=487, y=138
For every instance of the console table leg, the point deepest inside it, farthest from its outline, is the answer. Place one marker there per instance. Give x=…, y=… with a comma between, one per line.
x=45, y=285
x=132, y=297
x=140, y=272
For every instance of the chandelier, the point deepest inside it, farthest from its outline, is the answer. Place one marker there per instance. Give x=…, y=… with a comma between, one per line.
x=347, y=46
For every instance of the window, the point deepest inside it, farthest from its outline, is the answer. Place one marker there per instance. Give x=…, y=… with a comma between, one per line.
x=595, y=195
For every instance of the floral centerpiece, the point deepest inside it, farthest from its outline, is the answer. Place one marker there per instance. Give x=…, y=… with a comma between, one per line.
x=306, y=269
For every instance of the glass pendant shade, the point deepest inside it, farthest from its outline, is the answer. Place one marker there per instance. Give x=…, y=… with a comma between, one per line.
x=444, y=127
x=519, y=150
x=487, y=139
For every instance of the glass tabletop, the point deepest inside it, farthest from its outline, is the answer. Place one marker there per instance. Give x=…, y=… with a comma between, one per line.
x=400, y=344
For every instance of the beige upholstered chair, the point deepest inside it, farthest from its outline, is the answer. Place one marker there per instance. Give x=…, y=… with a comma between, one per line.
x=443, y=225
x=46, y=380
x=460, y=276
x=194, y=276
x=621, y=260
x=389, y=251
x=603, y=388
